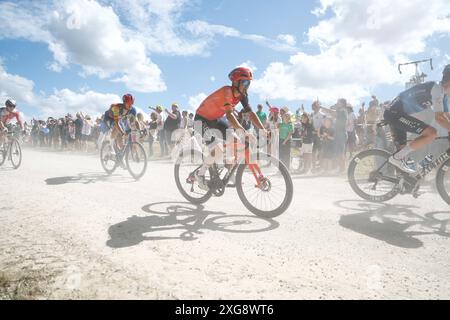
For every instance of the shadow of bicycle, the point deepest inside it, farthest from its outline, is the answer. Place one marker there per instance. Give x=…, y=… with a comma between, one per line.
x=88, y=178
x=397, y=225
x=191, y=220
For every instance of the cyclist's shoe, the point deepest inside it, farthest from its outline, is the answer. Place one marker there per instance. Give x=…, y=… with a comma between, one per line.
x=201, y=182
x=402, y=165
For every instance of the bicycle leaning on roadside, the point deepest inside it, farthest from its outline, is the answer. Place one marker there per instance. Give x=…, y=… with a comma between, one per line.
x=373, y=178
x=263, y=183
x=131, y=157
x=10, y=149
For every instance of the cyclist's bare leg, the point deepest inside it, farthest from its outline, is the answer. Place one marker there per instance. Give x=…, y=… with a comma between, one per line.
x=427, y=136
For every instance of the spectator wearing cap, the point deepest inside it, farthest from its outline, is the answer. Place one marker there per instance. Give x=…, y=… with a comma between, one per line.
x=171, y=124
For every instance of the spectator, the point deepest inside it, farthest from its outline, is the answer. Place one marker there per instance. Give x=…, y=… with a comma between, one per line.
x=160, y=129
x=152, y=131
x=307, y=135
x=171, y=124
x=261, y=114
x=78, y=129
x=286, y=130
x=318, y=118
x=351, y=131
x=327, y=141
x=86, y=131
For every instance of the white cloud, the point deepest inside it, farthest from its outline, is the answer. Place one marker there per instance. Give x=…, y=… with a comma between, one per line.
x=360, y=44
x=288, y=39
x=212, y=78
x=195, y=101
x=85, y=33
x=15, y=87
x=248, y=64
x=207, y=31
x=66, y=101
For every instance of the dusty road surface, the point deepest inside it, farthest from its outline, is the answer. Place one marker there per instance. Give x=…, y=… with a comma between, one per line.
x=86, y=235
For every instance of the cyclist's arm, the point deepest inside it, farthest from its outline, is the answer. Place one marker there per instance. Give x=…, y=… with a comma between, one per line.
x=233, y=121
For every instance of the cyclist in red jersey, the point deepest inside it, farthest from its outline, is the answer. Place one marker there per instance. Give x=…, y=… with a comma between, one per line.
x=222, y=103
x=7, y=114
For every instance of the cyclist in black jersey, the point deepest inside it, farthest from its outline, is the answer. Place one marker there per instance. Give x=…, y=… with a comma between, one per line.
x=400, y=116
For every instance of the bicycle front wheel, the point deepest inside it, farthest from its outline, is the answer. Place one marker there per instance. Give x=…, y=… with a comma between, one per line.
x=185, y=166
x=15, y=154
x=107, y=158
x=372, y=177
x=265, y=187
x=136, y=160
x=443, y=181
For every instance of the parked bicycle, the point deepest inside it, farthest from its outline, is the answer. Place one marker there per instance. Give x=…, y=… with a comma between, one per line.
x=263, y=183
x=131, y=157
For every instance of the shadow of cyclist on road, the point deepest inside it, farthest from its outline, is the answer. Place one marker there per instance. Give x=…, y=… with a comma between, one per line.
x=397, y=225
x=88, y=178
x=191, y=220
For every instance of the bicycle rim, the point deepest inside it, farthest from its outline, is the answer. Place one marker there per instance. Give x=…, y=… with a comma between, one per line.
x=108, y=160
x=368, y=173
x=273, y=196
x=3, y=152
x=136, y=160
x=16, y=154
x=186, y=164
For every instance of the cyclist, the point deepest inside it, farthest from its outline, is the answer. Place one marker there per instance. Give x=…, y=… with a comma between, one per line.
x=7, y=114
x=222, y=103
x=116, y=113
x=400, y=117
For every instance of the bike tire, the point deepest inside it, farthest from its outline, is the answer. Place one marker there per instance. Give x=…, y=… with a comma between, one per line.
x=351, y=176
x=3, y=155
x=440, y=181
x=139, y=175
x=193, y=200
x=286, y=201
x=15, y=144
x=103, y=151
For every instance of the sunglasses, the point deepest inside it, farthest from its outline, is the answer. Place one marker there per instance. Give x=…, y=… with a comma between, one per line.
x=11, y=107
x=246, y=83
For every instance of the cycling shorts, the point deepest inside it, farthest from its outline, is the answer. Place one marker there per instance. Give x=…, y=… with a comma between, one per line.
x=400, y=123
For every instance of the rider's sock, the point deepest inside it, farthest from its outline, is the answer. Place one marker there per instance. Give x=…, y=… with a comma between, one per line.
x=402, y=154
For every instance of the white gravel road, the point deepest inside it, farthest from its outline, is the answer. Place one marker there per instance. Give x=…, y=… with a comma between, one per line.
x=93, y=236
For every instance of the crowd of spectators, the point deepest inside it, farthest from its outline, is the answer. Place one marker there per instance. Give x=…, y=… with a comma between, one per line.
x=323, y=138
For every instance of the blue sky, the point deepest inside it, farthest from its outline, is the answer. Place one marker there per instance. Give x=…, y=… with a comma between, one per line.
x=64, y=56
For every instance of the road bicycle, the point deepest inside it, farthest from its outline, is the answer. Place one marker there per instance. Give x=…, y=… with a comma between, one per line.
x=10, y=150
x=263, y=182
x=131, y=157
x=374, y=178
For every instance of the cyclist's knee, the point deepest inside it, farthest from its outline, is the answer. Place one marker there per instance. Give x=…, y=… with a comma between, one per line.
x=430, y=132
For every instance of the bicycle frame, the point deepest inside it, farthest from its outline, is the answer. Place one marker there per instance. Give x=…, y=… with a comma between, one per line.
x=426, y=170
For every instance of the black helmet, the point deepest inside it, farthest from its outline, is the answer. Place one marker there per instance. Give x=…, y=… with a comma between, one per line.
x=446, y=74
x=10, y=103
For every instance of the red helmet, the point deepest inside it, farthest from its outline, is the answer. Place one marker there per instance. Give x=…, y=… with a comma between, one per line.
x=239, y=74
x=128, y=99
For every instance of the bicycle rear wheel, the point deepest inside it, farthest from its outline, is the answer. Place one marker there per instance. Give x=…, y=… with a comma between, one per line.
x=372, y=177
x=272, y=194
x=3, y=152
x=108, y=160
x=136, y=160
x=15, y=154
x=185, y=166
x=443, y=181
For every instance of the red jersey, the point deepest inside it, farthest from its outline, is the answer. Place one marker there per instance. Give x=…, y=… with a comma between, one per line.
x=218, y=103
